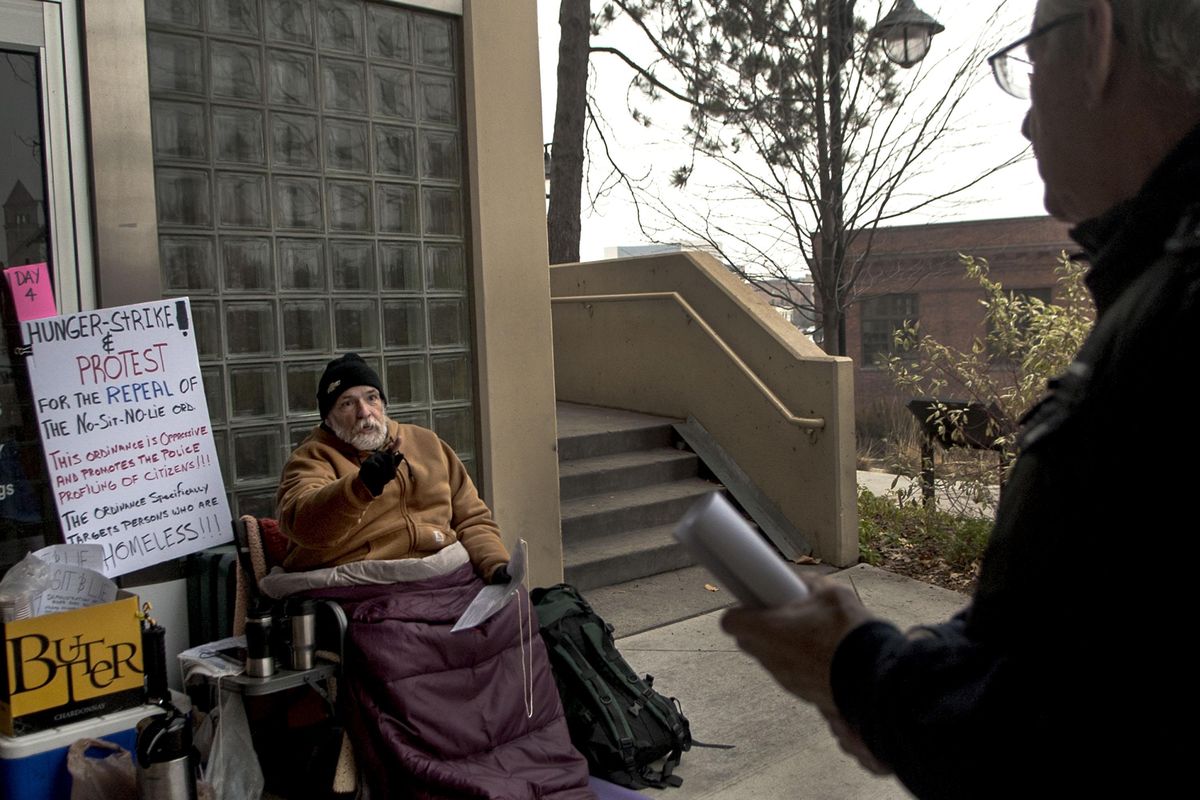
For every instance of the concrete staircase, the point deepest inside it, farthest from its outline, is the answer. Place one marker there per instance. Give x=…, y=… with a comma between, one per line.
x=623, y=485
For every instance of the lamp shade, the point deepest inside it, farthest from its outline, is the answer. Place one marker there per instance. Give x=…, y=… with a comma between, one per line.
x=906, y=33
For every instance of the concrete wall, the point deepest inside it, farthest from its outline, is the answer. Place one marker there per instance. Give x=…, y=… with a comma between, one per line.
x=519, y=453
x=687, y=338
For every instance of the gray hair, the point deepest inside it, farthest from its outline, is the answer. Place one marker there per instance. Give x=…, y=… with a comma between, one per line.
x=1165, y=34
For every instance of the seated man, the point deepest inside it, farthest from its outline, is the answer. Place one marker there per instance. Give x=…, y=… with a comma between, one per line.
x=383, y=519
x=343, y=498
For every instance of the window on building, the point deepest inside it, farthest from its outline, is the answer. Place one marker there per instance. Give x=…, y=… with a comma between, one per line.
x=881, y=317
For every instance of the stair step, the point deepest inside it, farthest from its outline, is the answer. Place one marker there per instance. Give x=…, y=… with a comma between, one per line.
x=626, y=556
x=586, y=431
x=603, y=474
x=645, y=507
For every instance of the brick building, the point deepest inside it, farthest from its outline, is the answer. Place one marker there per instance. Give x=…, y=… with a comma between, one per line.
x=914, y=273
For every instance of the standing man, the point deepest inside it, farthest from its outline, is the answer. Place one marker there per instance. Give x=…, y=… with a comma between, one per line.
x=362, y=487
x=1070, y=673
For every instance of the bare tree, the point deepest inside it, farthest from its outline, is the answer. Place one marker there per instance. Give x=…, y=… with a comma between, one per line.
x=566, y=170
x=819, y=136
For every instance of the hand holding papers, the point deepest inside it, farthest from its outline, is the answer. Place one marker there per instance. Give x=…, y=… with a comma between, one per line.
x=737, y=555
x=493, y=598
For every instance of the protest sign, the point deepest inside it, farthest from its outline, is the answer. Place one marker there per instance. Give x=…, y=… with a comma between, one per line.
x=124, y=423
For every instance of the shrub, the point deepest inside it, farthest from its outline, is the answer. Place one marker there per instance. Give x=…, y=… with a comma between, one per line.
x=1027, y=343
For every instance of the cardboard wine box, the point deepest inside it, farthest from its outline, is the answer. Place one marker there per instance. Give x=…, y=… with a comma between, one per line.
x=61, y=668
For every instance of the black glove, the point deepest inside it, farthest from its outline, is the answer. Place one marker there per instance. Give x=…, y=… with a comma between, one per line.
x=378, y=469
x=500, y=575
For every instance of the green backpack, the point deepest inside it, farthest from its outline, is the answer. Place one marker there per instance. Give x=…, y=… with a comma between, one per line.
x=617, y=721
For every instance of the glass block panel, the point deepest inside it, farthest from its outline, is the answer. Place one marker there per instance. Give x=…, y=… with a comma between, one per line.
x=254, y=392
x=448, y=323
x=390, y=33
x=301, y=431
x=346, y=145
x=238, y=135
x=397, y=208
x=441, y=210
x=242, y=200
x=222, y=445
x=302, y=264
x=406, y=381
x=451, y=377
x=435, y=41
x=341, y=25
x=343, y=86
x=445, y=267
x=246, y=264
x=391, y=92
x=183, y=197
x=438, y=99
x=349, y=206
x=302, y=390
x=355, y=325
x=255, y=504
x=441, y=158
x=305, y=326
x=258, y=453
x=353, y=265
x=298, y=203
x=289, y=21
x=403, y=324
x=291, y=79
x=456, y=427
x=234, y=16
x=401, y=266
x=207, y=316
x=180, y=130
x=250, y=328
x=176, y=63
x=187, y=264
x=214, y=393
x=414, y=417
x=394, y=151
x=185, y=13
x=294, y=142
x=236, y=70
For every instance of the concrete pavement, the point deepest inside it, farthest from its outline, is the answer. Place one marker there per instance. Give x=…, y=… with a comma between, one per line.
x=783, y=748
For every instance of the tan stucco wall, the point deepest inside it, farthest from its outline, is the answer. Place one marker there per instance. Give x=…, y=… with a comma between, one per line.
x=647, y=352
x=518, y=456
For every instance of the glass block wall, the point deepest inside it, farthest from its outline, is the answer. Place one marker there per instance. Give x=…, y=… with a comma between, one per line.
x=309, y=183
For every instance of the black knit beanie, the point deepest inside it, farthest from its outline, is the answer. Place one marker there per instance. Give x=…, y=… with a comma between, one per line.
x=342, y=374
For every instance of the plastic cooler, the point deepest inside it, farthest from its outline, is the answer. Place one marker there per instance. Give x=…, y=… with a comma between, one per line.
x=34, y=766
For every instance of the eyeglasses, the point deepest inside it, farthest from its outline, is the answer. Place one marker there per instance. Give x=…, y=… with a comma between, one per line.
x=1012, y=67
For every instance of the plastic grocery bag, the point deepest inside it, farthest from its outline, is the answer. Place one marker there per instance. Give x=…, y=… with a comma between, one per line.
x=233, y=769
x=107, y=777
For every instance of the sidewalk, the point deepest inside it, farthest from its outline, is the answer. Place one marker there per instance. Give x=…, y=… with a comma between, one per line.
x=783, y=748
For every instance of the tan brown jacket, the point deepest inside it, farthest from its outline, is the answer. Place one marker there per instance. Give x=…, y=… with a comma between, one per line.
x=330, y=517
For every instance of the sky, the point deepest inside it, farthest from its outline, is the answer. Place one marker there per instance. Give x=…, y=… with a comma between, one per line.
x=990, y=131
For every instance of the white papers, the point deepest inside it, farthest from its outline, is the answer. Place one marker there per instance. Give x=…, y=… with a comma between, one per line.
x=493, y=598
x=75, y=580
x=216, y=659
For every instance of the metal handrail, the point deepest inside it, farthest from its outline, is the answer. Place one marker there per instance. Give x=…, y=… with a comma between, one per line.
x=806, y=423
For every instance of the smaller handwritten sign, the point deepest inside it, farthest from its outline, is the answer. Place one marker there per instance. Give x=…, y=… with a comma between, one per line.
x=32, y=293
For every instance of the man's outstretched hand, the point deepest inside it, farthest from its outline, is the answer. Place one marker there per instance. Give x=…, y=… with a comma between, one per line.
x=378, y=469
x=500, y=575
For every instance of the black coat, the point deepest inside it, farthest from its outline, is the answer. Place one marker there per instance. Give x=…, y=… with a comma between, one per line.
x=1069, y=675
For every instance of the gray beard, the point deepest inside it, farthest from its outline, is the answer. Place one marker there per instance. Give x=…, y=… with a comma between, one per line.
x=362, y=440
